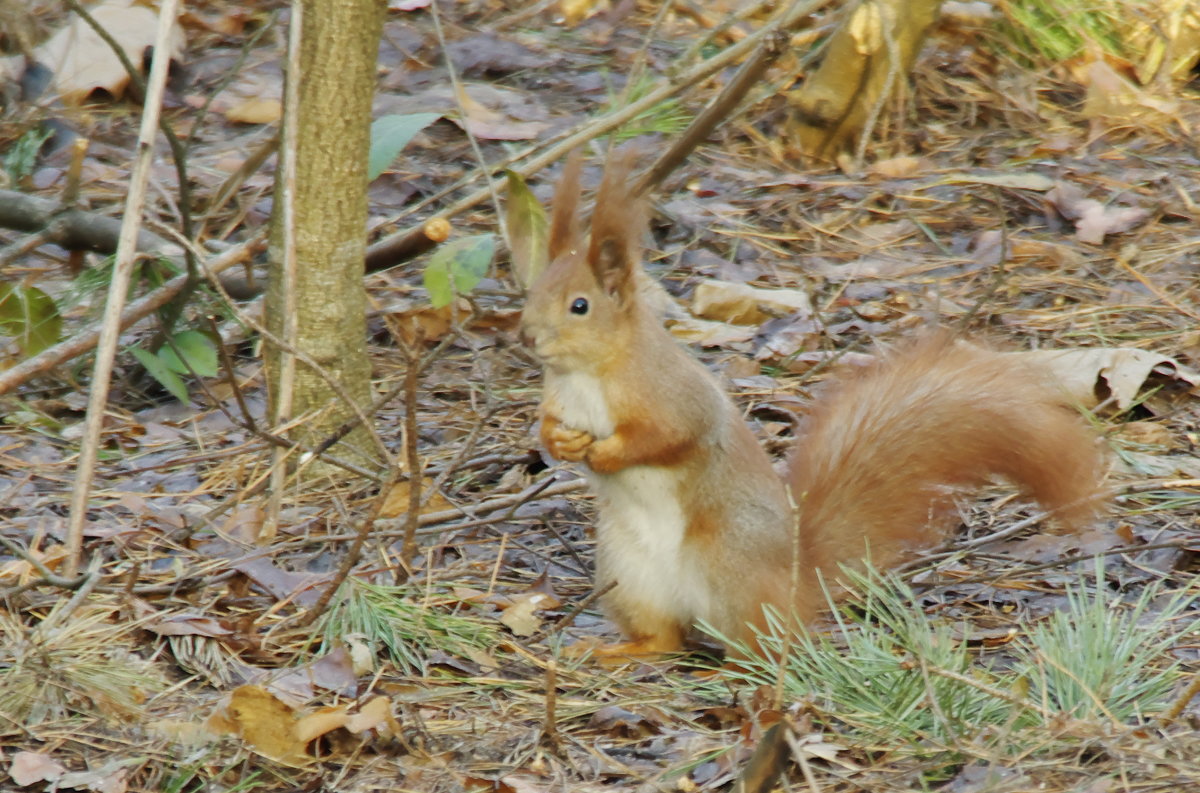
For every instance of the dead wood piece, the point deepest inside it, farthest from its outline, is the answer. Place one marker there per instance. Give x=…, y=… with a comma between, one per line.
x=867, y=57
x=73, y=229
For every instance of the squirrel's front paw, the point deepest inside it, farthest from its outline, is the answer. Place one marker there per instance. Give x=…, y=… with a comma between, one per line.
x=568, y=444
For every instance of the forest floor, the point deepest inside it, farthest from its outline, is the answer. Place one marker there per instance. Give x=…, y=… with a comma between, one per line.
x=1041, y=204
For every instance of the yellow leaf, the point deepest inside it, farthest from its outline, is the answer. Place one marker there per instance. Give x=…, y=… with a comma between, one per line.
x=256, y=111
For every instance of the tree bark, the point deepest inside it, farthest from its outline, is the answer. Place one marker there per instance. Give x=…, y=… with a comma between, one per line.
x=869, y=57
x=336, y=84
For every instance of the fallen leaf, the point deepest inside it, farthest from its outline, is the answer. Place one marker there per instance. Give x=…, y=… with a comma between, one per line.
x=787, y=336
x=1030, y=180
x=575, y=11
x=1112, y=96
x=27, y=768
x=896, y=167
x=742, y=304
x=708, y=333
x=520, y=617
x=188, y=625
x=1093, y=220
x=395, y=504
x=264, y=722
x=1147, y=433
x=319, y=722
x=622, y=723
x=83, y=62
x=376, y=715
x=256, y=110
x=493, y=113
x=1095, y=374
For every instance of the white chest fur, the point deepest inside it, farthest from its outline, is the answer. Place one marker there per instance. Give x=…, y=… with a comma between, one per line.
x=640, y=543
x=578, y=401
x=641, y=526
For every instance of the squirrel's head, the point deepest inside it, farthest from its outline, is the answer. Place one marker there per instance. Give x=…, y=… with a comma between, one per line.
x=583, y=306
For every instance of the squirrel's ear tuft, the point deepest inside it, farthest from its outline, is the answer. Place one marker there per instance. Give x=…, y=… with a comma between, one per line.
x=617, y=226
x=564, y=218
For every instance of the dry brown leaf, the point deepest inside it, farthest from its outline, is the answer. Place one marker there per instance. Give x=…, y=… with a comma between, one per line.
x=375, y=715
x=82, y=62
x=521, y=617
x=188, y=625
x=22, y=571
x=1147, y=433
x=256, y=110
x=623, y=723
x=1029, y=180
x=708, y=333
x=741, y=304
x=494, y=122
x=1093, y=220
x=264, y=722
x=1111, y=96
x=188, y=733
x=28, y=768
x=896, y=167
x=320, y=722
x=1090, y=375
x=395, y=504
x=575, y=11
x=434, y=323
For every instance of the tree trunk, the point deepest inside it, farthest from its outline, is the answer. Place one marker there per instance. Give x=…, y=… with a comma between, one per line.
x=327, y=300
x=869, y=57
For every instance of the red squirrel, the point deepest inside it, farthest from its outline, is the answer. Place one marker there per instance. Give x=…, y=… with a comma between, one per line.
x=693, y=521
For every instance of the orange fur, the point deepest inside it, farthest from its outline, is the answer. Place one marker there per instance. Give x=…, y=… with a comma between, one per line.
x=693, y=522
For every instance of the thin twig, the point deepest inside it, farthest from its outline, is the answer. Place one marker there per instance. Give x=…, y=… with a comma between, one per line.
x=281, y=411
x=118, y=288
x=408, y=548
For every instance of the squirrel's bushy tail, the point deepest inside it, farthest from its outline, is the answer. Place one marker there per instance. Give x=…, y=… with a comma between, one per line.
x=884, y=451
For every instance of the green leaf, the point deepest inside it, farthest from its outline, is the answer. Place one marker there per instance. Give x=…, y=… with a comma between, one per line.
x=528, y=230
x=21, y=158
x=196, y=349
x=160, y=372
x=390, y=134
x=456, y=267
x=30, y=315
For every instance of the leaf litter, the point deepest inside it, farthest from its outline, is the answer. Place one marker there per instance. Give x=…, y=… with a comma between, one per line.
x=1050, y=208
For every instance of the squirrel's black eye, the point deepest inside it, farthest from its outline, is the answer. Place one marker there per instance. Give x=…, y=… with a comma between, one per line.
x=579, y=305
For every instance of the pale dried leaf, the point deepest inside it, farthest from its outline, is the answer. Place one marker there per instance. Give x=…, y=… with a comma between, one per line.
x=741, y=304
x=256, y=110
x=82, y=62
x=1085, y=374
x=27, y=768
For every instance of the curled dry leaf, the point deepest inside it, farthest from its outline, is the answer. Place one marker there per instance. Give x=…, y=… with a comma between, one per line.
x=1093, y=220
x=896, y=167
x=741, y=304
x=708, y=333
x=28, y=768
x=493, y=113
x=521, y=616
x=1111, y=96
x=274, y=729
x=990, y=246
x=1092, y=375
x=256, y=110
x=82, y=62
